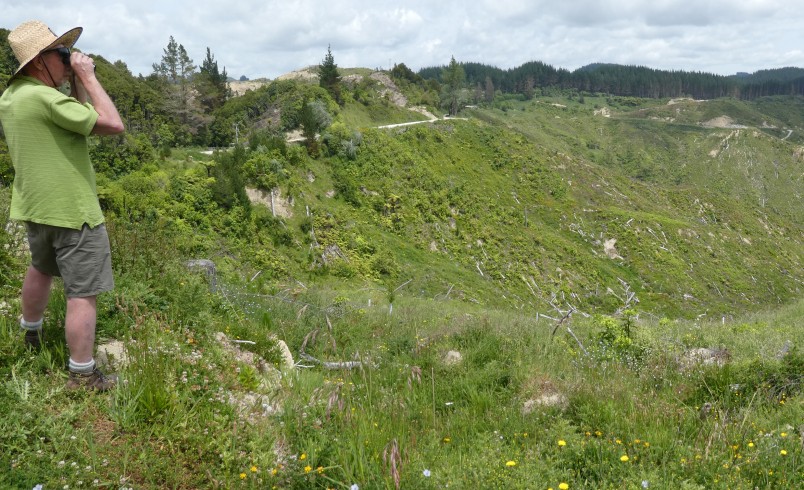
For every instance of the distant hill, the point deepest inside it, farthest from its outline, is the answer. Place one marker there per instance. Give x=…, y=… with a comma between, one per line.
x=627, y=80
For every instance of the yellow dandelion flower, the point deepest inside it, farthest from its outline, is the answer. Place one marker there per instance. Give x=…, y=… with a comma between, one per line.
x=308, y=468
x=598, y=433
x=624, y=458
x=242, y=476
x=750, y=444
x=562, y=443
x=563, y=486
x=510, y=463
x=303, y=457
x=525, y=434
x=274, y=472
x=618, y=441
x=588, y=433
x=647, y=444
x=447, y=439
x=783, y=434
x=783, y=452
x=253, y=469
x=320, y=470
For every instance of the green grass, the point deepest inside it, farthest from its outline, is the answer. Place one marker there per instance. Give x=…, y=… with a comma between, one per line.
x=179, y=419
x=455, y=236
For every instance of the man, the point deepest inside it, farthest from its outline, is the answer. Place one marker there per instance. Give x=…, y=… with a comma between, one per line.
x=54, y=186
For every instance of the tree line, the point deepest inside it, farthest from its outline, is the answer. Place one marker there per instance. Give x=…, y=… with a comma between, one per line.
x=625, y=80
x=184, y=104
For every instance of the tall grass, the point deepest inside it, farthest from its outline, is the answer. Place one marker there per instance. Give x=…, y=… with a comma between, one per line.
x=191, y=414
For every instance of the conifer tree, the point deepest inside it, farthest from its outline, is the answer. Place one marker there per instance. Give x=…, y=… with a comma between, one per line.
x=328, y=76
x=211, y=84
x=168, y=68
x=452, y=96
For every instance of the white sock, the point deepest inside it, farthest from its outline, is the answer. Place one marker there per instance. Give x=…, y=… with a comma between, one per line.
x=82, y=367
x=31, y=326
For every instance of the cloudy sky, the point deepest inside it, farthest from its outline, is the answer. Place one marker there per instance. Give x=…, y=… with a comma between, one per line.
x=266, y=38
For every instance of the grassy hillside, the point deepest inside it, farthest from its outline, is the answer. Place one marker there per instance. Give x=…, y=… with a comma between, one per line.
x=449, y=394
x=418, y=276
x=515, y=206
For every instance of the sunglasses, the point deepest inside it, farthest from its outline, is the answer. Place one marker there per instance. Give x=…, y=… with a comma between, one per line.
x=64, y=53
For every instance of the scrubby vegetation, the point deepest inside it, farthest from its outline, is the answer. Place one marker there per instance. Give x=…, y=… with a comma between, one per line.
x=561, y=290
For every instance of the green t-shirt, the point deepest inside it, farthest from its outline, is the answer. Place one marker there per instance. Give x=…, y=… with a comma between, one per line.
x=46, y=132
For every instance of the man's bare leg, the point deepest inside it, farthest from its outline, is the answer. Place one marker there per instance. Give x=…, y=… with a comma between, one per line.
x=79, y=327
x=35, y=294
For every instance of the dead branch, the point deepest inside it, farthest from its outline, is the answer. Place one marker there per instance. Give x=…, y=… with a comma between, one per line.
x=563, y=319
x=585, y=352
x=628, y=297
x=310, y=338
x=402, y=285
x=332, y=366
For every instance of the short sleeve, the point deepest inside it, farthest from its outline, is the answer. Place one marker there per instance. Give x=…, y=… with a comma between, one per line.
x=73, y=116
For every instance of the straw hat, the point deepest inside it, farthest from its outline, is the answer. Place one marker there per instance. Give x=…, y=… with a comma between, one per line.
x=32, y=37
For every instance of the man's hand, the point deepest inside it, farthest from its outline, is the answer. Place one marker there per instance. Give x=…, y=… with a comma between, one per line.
x=86, y=85
x=83, y=66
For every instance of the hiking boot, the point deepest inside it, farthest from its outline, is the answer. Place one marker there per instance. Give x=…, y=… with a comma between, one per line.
x=34, y=339
x=95, y=380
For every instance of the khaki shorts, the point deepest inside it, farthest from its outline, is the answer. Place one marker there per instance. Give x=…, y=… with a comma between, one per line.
x=82, y=258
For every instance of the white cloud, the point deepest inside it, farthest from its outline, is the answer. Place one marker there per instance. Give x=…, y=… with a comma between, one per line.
x=268, y=37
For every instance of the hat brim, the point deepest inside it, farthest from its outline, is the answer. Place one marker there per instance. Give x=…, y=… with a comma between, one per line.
x=68, y=40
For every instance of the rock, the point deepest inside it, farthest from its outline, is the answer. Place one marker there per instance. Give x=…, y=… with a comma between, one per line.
x=111, y=355
x=268, y=374
x=610, y=250
x=287, y=356
x=704, y=357
x=453, y=358
x=545, y=395
x=251, y=405
x=705, y=412
x=273, y=200
x=390, y=89
x=552, y=399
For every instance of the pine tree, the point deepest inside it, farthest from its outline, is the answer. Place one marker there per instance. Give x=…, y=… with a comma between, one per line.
x=328, y=76
x=168, y=68
x=452, y=96
x=488, y=92
x=211, y=84
x=176, y=71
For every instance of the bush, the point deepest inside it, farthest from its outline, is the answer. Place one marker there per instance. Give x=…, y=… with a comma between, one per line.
x=615, y=340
